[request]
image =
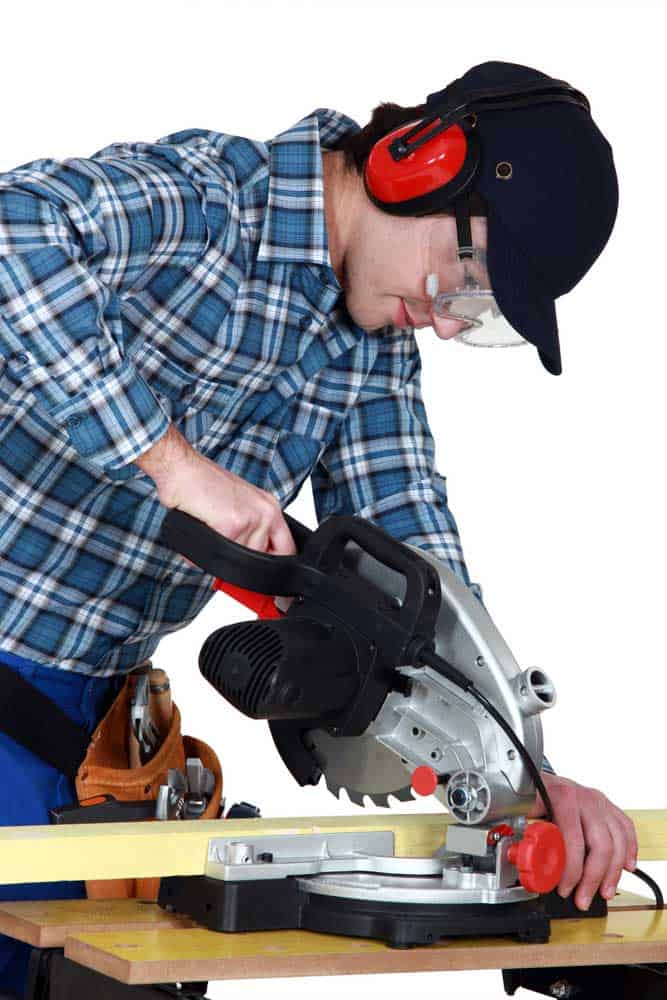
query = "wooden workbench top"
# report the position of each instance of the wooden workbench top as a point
(624, 937)
(48, 923)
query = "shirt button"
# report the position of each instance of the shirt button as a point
(21, 358)
(74, 421)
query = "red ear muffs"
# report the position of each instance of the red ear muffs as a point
(428, 178)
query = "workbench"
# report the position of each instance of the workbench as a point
(136, 942)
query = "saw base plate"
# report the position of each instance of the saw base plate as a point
(285, 904)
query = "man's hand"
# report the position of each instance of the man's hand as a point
(228, 504)
(600, 840)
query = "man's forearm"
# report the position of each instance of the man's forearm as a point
(162, 459)
(188, 480)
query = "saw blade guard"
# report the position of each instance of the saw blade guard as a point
(479, 776)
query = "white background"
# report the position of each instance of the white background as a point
(558, 484)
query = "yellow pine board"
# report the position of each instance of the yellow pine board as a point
(135, 850)
(176, 955)
(651, 825)
(149, 849)
(46, 924)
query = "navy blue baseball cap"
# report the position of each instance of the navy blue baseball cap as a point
(550, 212)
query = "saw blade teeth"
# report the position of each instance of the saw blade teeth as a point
(404, 794)
(333, 788)
(380, 800)
(355, 796)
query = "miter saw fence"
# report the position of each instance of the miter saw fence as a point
(386, 675)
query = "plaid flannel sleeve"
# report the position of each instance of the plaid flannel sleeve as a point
(60, 324)
(381, 465)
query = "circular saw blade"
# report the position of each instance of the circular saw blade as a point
(361, 766)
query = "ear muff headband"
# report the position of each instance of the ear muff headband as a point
(420, 168)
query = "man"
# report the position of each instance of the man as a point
(204, 323)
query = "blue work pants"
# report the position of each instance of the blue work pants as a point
(30, 787)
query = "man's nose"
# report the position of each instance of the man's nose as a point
(447, 328)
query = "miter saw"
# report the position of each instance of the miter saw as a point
(386, 675)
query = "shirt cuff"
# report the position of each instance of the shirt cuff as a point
(546, 766)
(116, 420)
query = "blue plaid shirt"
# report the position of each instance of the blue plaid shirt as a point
(186, 281)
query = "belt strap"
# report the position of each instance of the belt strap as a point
(39, 724)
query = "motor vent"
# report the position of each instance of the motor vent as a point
(291, 668)
(240, 661)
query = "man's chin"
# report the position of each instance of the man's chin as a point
(360, 318)
(368, 324)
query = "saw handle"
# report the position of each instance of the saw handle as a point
(321, 554)
(235, 564)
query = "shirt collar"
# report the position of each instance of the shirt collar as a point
(294, 227)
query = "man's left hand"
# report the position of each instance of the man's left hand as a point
(600, 840)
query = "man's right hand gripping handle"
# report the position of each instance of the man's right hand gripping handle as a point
(228, 504)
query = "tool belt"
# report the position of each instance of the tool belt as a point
(39, 725)
(100, 765)
(106, 769)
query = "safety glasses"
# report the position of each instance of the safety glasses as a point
(469, 298)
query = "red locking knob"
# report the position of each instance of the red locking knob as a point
(497, 833)
(424, 780)
(539, 857)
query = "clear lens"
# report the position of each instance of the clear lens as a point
(486, 325)
(467, 297)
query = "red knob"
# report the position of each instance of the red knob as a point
(539, 857)
(497, 833)
(424, 780)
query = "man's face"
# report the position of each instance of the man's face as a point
(387, 265)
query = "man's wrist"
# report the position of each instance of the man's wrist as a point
(162, 460)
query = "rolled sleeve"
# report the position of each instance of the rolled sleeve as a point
(115, 421)
(73, 238)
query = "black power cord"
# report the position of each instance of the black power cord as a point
(653, 886)
(430, 658)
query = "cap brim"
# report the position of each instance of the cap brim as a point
(521, 295)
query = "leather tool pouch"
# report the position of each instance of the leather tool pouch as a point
(106, 770)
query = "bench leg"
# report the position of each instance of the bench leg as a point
(595, 982)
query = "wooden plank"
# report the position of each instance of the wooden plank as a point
(651, 825)
(176, 955)
(136, 850)
(46, 924)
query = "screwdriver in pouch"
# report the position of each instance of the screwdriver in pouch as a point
(159, 702)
